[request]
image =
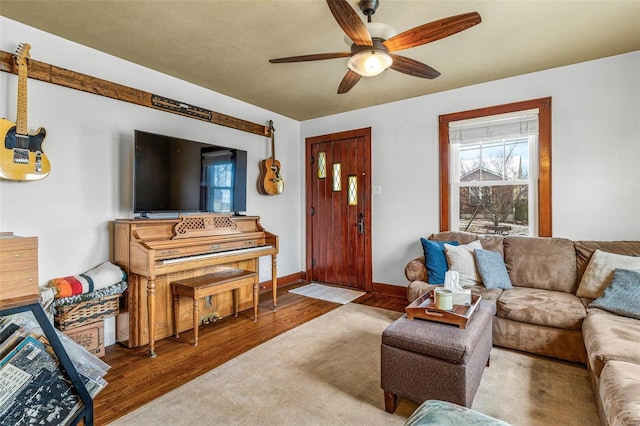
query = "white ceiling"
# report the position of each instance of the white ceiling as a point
(225, 45)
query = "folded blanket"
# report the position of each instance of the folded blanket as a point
(102, 276)
(112, 290)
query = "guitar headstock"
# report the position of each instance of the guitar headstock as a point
(22, 53)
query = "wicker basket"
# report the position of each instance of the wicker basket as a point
(86, 312)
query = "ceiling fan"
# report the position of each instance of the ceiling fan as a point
(373, 42)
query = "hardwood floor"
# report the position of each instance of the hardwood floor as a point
(135, 379)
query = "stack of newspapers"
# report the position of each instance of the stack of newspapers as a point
(34, 389)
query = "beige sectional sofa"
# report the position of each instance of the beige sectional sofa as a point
(543, 314)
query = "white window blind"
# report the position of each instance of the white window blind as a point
(503, 126)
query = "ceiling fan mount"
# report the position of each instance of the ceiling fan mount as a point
(372, 44)
(369, 7)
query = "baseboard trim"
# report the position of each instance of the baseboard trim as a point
(285, 281)
(390, 290)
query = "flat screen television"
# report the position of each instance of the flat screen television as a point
(173, 175)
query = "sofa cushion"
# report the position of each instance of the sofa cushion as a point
(585, 249)
(541, 307)
(553, 342)
(622, 297)
(618, 391)
(610, 337)
(435, 260)
(544, 263)
(463, 260)
(492, 269)
(599, 272)
(490, 294)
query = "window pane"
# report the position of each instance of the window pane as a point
(469, 163)
(500, 209)
(518, 151)
(494, 161)
(337, 177)
(322, 165)
(352, 197)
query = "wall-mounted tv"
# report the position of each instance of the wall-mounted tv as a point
(173, 175)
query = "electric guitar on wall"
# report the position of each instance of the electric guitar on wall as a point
(270, 181)
(21, 155)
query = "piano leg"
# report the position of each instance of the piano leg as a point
(196, 320)
(151, 307)
(256, 296)
(274, 280)
(236, 298)
(176, 313)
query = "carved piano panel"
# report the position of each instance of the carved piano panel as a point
(155, 252)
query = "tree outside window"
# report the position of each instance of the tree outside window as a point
(494, 187)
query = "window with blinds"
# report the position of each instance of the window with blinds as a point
(493, 167)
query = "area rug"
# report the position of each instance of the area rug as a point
(327, 372)
(329, 293)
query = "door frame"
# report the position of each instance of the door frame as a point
(364, 133)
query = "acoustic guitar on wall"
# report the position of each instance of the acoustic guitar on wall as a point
(270, 181)
(21, 155)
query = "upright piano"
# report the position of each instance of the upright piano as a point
(155, 252)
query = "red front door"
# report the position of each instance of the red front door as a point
(339, 208)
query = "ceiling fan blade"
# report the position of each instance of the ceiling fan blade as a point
(412, 67)
(350, 79)
(432, 31)
(315, 57)
(350, 22)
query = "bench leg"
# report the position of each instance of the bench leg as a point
(390, 400)
(195, 322)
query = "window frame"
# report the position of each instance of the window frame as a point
(544, 225)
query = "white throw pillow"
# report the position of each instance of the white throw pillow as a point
(463, 260)
(599, 272)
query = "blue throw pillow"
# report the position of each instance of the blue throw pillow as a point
(435, 259)
(492, 269)
(622, 296)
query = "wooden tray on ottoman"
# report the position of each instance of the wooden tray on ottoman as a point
(424, 307)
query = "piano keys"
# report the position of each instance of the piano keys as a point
(155, 252)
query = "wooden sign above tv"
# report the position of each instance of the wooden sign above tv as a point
(74, 80)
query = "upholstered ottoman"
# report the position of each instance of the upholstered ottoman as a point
(423, 360)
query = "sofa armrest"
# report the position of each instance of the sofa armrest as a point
(416, 270)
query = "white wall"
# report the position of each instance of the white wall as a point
(595, 155)
(90, 145)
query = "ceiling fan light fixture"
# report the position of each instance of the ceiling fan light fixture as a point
(369, 63)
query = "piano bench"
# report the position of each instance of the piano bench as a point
(209, 285)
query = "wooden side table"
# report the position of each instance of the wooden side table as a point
(209, 285)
